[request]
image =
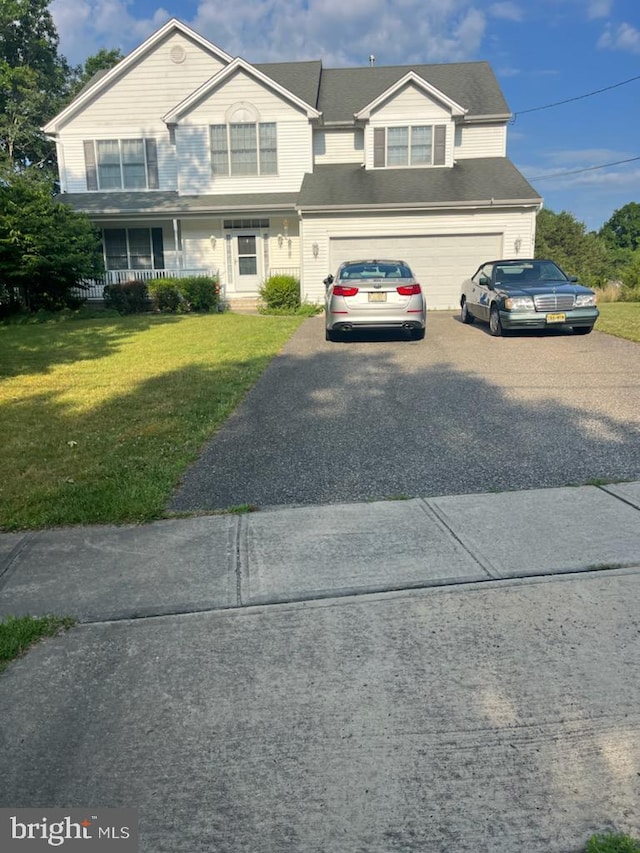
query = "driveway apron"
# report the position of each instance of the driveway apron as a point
(382, 417)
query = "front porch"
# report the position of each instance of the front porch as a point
(92, 289)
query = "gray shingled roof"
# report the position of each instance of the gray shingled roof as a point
(300, 78)
(351, 186)
(169, 203)
(473, 85)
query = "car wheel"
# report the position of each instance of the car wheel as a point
(417, 334)
(495, 326)
(582, 330)
(465, 316)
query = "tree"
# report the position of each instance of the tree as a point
(561, 237)
(46, 249)
(34, 82)
(103, 60)
(622, 230)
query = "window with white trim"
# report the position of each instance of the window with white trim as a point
(121, 164)
(133, 248)
(244, 148)
(412, 145)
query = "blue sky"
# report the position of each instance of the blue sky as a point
(542, 51)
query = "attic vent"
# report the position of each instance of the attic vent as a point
(178, 54)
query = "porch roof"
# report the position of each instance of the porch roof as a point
(169, 203)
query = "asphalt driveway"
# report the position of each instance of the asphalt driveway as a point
(458, 413)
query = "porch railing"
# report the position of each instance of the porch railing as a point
(93, 288)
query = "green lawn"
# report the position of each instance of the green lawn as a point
(98, 418)
(621, 319)
(18, 634)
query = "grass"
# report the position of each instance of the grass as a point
(17, 634)
(612, 842)
(100, 417)
(621, 319)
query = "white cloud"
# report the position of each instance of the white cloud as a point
(508, 11)
(599, 9)
(623, 37)
(340, 32)
(85, 26)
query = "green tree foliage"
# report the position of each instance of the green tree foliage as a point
(622, 230)
(34, 82)
(46, 249)
(561, 237)
(103, 60)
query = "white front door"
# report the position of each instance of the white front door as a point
(248, 266)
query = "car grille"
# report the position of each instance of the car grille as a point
(553, 302)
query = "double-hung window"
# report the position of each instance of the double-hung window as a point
(133, 248)
(245, 148)
(121, 164)
(412, 145)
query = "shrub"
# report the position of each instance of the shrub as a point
(165, 295)
(201, 292)
(609, 842)
(281, 292)
(128, 297)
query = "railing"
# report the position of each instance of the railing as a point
(93, 288)
(294, 271)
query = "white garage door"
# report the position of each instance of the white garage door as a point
(439, 263)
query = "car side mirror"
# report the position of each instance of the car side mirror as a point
(484, 281)
(328, 280)
(573, 278)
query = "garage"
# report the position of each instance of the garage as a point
(440, 263)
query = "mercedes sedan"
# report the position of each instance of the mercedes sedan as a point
(374, 295)
(527, 294)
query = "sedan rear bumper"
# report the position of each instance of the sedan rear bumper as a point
(538, 319)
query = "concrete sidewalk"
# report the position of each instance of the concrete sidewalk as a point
(303, 553)
(401, 677)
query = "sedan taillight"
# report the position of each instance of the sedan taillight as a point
(409, 289)
(343, 290)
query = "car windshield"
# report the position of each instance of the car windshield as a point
(375, 269)
(516, 274)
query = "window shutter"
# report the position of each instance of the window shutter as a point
(90, 165)
(439, 144)
(379, 160)
(152, 164)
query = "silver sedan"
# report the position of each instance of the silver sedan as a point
(374, 294)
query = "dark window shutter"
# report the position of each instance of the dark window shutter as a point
(158, 248)
(152, 164)
(90, 165)
(379, 137)
(439, 144)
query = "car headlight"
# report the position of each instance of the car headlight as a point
(519, 303)
(584, 299)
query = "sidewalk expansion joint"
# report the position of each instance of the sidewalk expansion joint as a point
(14, 555)
(440, 518)
(240, 535)
(619, 497)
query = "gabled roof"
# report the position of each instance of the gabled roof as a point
(481, 182)
(301, 78)
(344, 92)
(101, 81)
(410, 78)
(238, 64)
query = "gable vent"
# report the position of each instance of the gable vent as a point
(178, 54)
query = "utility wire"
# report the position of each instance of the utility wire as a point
(587, 169)
(577, 98)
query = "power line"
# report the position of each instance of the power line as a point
(577, 98)
(587, 169)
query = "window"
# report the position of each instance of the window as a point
(117, 164)
(133, 248)
(244, 224)
(244, 149)
(419, 145)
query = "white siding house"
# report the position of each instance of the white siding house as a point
(191, 160)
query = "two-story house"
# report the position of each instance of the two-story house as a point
(190, 160)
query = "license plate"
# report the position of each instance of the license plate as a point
(377, 297)
(556, 318)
